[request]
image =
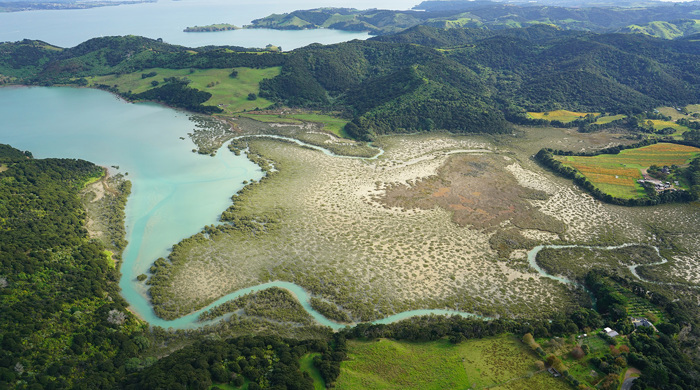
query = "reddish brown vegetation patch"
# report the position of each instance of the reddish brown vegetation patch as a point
(479, 192)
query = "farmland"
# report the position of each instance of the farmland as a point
(675, 114)
(616, 174)
(559, 115)
(228, 93)
(609, 118)
(678, 129)
(501, 362)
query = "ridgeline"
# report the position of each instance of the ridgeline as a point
(425, 78)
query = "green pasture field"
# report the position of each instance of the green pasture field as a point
(332, 124)
(230, 94)
(610, 118)
(307, 365)
(617, 174)
(675, 114)
(659, 124)
(560, 115)
(502, 362)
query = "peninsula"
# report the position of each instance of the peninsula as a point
(212, 28)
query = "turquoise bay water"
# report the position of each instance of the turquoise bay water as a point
(175, 192)
(167, 18)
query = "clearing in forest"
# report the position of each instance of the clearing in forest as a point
(228, 93)
(501, 362)
(661, 124)
(617, 174)
(609, 118)
(560, 115)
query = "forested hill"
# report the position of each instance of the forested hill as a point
(471, 80)
(425, 78)
(38, 62)
(62, 320)
(486, 15)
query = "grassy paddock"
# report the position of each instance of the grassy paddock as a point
(679, 129)
(307, 365)
(560, 115)
(692, 108)
(228, 386)
(675, 114)
(230, 94)
(501, 362)
(617, 174)
(609, 118)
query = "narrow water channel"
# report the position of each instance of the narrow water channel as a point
(174, 192)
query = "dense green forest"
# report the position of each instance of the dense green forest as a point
(467, 80)
(425, 78)
(63, 323)
(492, 15)
(664, 356)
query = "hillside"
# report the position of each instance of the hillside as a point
(416, 80)
(666, 30)
(64, 321)
(598, 17)
(462, 80)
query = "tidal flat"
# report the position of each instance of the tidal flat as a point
(437, 221)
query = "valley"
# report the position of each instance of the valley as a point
(450, 204)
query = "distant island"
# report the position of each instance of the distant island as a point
(212, 28)
(36, 5)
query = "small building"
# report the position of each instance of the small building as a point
(610, 332)
(642, 322)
